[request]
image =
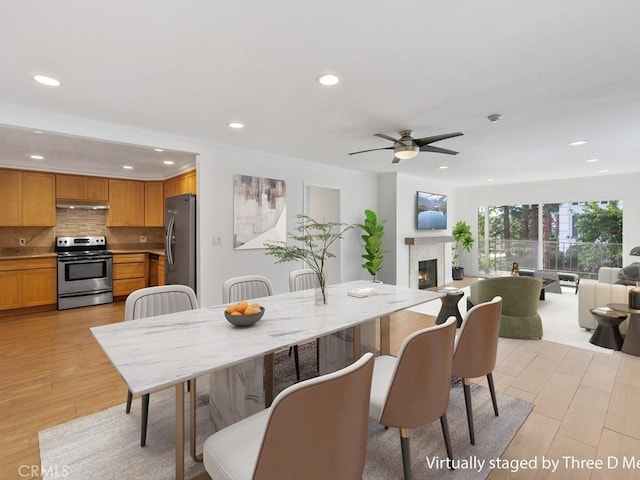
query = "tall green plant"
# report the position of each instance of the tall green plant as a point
(372, 238)
(313, 241)
(463, 241)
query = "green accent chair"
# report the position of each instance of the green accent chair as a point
(520, 296)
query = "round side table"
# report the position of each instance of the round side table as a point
(450, 306)
(607, 333)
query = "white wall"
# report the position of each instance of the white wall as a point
(397, 199)
(612, 187)
(216, 165)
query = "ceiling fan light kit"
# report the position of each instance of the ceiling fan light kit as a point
(407, 147)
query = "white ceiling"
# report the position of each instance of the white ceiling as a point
(556, 70)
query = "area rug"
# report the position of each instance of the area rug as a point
(107, 444)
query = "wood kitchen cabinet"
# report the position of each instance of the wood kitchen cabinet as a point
(185, 183)
(28, 283)
(28, 199)
(78, 187)
(156, 270)
(11, 198)
(153, 204)
(126, 203)
(130, 273)
(38, 199)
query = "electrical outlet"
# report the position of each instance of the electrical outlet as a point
(143, 239)
(23, 241)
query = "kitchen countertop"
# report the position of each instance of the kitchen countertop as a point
(12, 255)
(27, 253)
(155, 251)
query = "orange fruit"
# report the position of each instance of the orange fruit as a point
(241, 306)
(255, 305)
(236, 313)
(230, 308)
(251, 310)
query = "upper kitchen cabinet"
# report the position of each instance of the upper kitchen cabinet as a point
(28, 199)
(185, 183)
(38, 199)
(77, 187)
(153, 204)
(11, 198)
(126, 203)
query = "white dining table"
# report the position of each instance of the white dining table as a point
(167, 350)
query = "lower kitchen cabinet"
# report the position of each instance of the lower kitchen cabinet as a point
(156, 270)
(28, 283)
(129, 273)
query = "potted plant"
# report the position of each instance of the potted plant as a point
(463, 242)
(313, 241)
(372, 238)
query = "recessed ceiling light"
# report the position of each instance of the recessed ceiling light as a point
(44, 80)
(158, 149)
(37, 157)
(127, 167)
(168, 162)
(494, 117)
(443, 167)
(236, 125)
(603, 171)
(593, 160)
(489, 179)
(575, 143)
(328, 79)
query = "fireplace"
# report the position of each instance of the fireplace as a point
(437, 248)
(428, 273)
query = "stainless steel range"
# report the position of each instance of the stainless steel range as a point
(84, 272)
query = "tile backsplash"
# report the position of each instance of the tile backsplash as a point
(77, 223)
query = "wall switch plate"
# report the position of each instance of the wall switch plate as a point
(143, 239)
(217, 240)
(22, 241)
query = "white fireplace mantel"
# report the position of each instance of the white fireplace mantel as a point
(428, 240)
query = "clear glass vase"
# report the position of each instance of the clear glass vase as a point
(322, 291)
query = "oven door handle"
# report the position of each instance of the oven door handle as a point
(83, 259)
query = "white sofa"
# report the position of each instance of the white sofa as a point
(598, 293)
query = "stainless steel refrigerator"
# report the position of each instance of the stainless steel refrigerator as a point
(180, 240)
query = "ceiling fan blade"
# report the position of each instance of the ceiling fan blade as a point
(429, 148)
(386, 137)
(395, 160)
(436, 138)
(372, 150)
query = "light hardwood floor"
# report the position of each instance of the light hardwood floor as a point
(586, 404)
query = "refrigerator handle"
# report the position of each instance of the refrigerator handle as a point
(169, 239)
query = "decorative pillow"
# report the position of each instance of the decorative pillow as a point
(629, 275)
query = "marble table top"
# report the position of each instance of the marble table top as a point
(161, 351)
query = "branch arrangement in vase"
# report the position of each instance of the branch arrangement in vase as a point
(312, 242)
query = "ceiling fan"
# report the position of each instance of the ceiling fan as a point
(407, 147)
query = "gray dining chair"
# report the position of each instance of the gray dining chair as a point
(303, 279)
(475, 352)
(315, 429)
(412, 389)
(148, 302)
(249, 286)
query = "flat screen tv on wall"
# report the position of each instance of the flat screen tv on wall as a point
(431, 211)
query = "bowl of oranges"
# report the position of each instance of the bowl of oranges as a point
(243, 314)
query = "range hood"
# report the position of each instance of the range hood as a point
(82, 204)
